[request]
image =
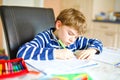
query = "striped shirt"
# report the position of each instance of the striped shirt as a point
(43, 45)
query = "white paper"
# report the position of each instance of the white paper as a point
(109, 55)
(61, 66)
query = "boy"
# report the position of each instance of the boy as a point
(69, 27)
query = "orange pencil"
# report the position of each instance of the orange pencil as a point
(0, 69)
(3, 69)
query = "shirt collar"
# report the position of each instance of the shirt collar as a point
(53, 37)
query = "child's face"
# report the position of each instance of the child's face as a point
(66, 34)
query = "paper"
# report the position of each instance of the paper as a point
(61, 66)
(109, 56)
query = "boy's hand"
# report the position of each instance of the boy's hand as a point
(63, 54)
(85, 54)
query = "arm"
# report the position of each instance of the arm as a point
(36, 49)
(87, 48)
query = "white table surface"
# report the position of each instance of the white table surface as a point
(106, 69)
(103, 71)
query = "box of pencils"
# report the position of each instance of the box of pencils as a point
(12, 68)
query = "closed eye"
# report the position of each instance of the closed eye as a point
(70, 33)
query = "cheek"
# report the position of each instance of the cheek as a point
(62, 33)
(63, 36)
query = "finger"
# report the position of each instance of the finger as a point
(90, 57)
(83, 56)
(80, 54)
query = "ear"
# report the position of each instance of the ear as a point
(58, 24)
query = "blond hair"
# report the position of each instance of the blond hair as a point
(73, 18)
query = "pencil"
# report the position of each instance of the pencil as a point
(60, 42)
(0, 69)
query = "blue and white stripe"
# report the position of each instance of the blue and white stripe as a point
(43, 45)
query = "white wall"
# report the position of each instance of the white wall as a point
(31, 3)
(19, 2)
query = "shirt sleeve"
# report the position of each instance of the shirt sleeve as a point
(36, 50)
(85, 43)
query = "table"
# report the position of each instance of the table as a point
(105, 70)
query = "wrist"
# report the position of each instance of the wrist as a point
(93, 50)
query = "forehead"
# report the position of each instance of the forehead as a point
(72, 30)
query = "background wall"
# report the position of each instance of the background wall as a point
(19, 2)
(1, 39)
(88, 7)
(55, 4)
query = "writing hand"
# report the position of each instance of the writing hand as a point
(63, 54)
(85, 54)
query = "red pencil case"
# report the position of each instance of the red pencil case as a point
(12, 68)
